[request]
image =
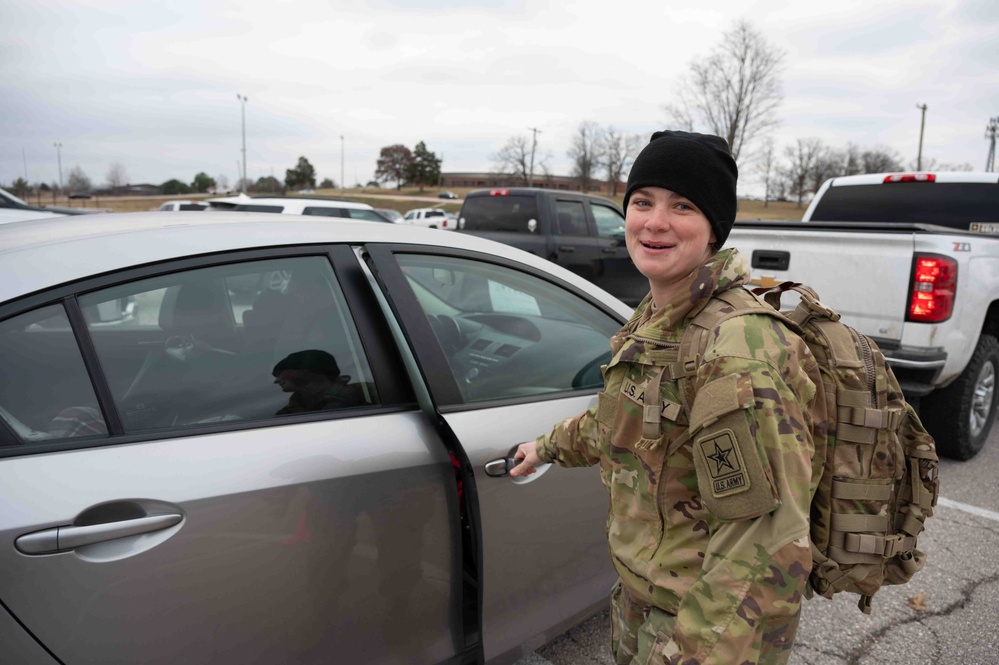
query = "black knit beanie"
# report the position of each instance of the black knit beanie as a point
(698, 166)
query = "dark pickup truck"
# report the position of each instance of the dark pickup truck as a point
(580, 232)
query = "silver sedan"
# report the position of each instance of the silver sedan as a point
(295, 449)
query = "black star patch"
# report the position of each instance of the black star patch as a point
(720, 458)
(723, 462)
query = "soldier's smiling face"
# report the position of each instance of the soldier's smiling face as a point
(667, 237)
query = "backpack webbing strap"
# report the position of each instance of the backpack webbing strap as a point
(844, 489)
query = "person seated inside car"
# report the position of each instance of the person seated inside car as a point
(313, 378)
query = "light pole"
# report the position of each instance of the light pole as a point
(341, 165)
(242, 104)
(58, 147)
(922, 125)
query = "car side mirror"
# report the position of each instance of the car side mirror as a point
(532, 225)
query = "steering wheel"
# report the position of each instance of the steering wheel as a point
(448, 331)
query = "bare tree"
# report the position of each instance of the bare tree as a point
(879, 160)
(931, 164)
(801, 163)
(735, 91)
(766, 165)
(78, 181)
(585, 153)
(221, 183)
(117, 176)
(618, 150)
(829, 163)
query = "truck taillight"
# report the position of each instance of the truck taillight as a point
(934, 280)
(499, 192)
(911, 177)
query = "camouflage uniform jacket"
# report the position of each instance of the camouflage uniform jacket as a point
(717, 534)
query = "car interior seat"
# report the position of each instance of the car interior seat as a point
(195, 371)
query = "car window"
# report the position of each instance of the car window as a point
(192, 206)
(434, 213)
(257, 207)
(508, 334)
(499, 213)
(571, 218)
(45, 391)
(245, 341)
(362, 213)
(964, 205)
(410, 215)
(610, 223)
(323, 211)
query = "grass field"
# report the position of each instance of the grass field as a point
(378, 198)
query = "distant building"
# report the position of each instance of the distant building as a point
(486, 180)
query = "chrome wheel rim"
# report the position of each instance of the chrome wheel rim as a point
(981, 405)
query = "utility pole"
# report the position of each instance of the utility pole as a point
(242, 104)
(534, 146)
(990, 133)
(341, 166)
(58, 147)
(922, 125)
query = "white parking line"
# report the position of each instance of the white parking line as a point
(973, 510)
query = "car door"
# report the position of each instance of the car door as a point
(261, 488)
(507, 353)
(618, 275)
(576, 248)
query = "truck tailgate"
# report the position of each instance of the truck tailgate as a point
(865, 276)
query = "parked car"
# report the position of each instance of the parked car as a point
(318, 207)
(431, 218)
(580, 232)
(311, 471)
(80, 195)
(176, 206)
(13, 209)
(391, 215)
(447, 195)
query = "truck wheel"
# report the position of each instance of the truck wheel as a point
(960, 416)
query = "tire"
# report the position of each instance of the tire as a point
(960, 416)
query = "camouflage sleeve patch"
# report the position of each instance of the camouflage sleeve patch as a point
(731, 477)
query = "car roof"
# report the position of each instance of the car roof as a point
(43, 253)
(302, 202)
(535, 191)
(939, 176)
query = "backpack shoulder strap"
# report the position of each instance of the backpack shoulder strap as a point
(722, 307)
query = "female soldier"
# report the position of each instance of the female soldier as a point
(708, 524)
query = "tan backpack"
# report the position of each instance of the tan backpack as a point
(875, 470)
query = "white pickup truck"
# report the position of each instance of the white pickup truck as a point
(912, 261)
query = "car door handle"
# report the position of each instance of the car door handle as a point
(501, 467)
(65, 538)
(609, 250)
(566, 248)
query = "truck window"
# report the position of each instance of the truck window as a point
(956, 205)
(571, 218)
(499, 213)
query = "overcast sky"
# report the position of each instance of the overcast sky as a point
(154, 85)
